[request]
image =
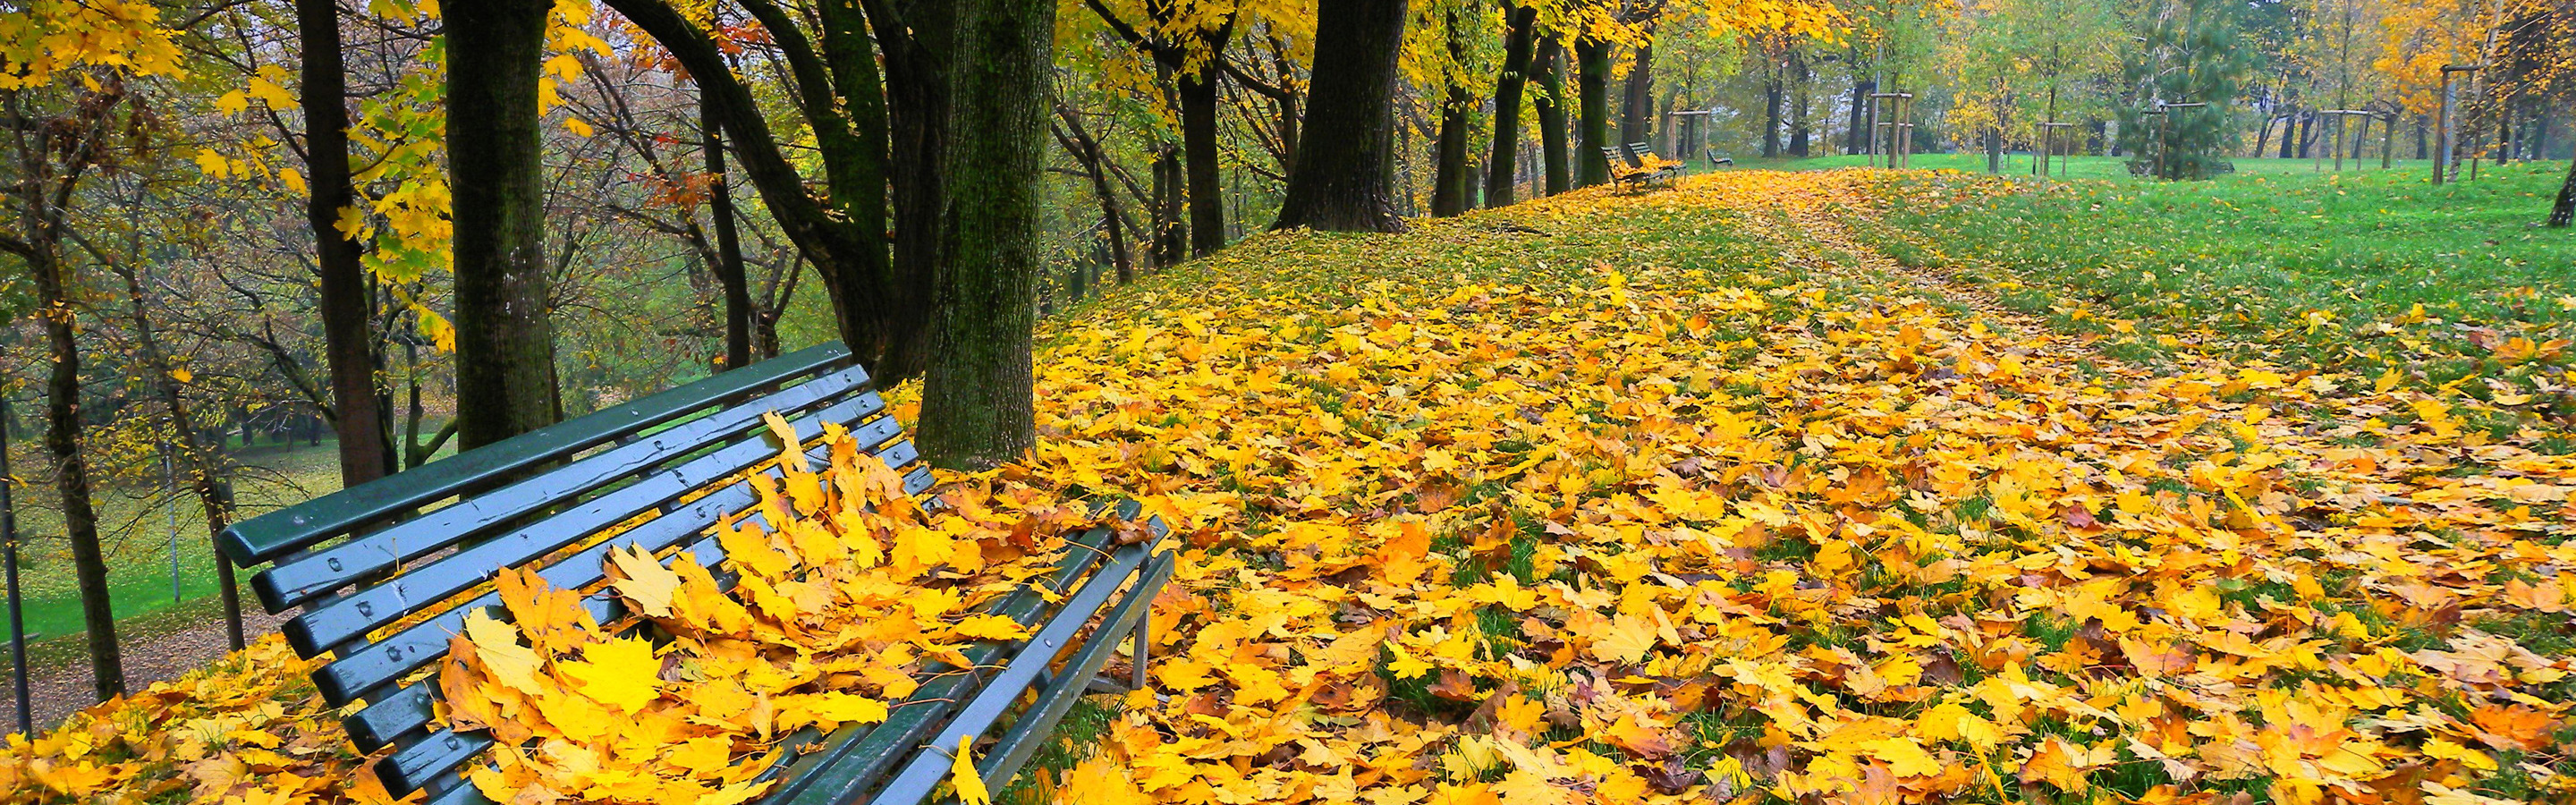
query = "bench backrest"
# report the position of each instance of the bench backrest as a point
(1642, 154)
(381, 555)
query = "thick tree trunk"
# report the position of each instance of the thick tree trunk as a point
(1592, 95)
(1341, 181)
(728, 267)
(1637, 99)
(505, 373)
(1799, 122)
(1554, 155)
(2290, 134)
(1199, 102)
(2564, 212)
(1450, 176)
(1994, 151)
(348, 308)
(976, 399)
(1502, 176)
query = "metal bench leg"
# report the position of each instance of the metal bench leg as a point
(1136, 664)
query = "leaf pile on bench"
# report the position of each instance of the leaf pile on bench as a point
(816, 621)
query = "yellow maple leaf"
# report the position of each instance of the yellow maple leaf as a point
(961, 773)
(644, 582)
(1626, 640)
(496, 644)
(620, 673)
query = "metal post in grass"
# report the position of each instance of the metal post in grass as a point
(9, 558)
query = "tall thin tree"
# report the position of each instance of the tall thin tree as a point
(348, 304)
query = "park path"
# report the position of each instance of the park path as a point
(59, 690)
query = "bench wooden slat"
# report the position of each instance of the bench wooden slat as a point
(369, 608)
(930, 763)
(269, 536)
(312, 575)
(387, 719)
(435, 758)
(860, 754)
(1036, 725)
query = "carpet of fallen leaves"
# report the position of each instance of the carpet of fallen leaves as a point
(1673, 497)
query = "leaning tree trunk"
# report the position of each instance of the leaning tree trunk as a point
(977, 397)
(1592, 93)
(505, 371)
(204, 466)
(1340, 183)
(2565, 211)
(1502, 177)
(729, 270)
(348, 340)
(71, 473)
(1549, 106)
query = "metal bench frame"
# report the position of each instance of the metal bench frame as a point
(385, 576)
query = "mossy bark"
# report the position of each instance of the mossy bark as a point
(505, 372)
(976, 409)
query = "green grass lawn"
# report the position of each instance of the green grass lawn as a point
(138, 522)
(2364, 271)
(2090, 167)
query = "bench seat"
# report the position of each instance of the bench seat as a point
(386, 575)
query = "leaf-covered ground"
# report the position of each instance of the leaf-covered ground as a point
(1687, 497)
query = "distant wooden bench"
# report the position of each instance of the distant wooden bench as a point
(1625, 174)
(385, 575)
(1643, 156)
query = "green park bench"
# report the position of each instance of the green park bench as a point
(385, 574)
(1643, 157)
(1627, 169)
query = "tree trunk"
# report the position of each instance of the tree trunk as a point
(1502, 176)
(2564, 212)
(2263, 136)
(1340, 183)
(917, 112)
(1857, 136)
(1172, 234)
(1592, 94)
(505, 374)
(2421, 143)
(729, 271)
(1553, 153)
(1449, 178)
(204, 467)
(71, 474)
(1199, 101)
(1637, 99)
(347, 305)
(1771, 92)
(977, 397)
(1799, 122)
